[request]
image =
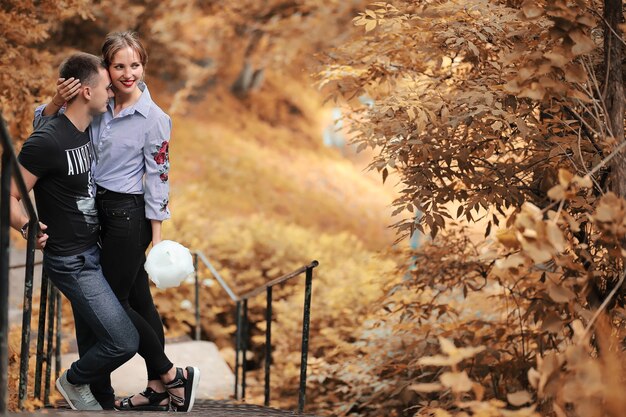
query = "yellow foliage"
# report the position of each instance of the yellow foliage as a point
(253, 250)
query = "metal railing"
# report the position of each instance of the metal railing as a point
(241, 318)
(49, 294)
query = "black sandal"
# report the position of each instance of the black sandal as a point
(154, 402)
(189, 385)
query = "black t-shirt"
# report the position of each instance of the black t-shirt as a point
(60, 156)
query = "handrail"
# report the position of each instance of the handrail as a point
(241, 318)
(278, 280)
(5, 190)
(7, 146)
(10, 168)
(217, 276)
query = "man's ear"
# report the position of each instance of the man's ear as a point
(86, 92)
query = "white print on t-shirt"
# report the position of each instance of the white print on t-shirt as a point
(87, 206)
(78, 160)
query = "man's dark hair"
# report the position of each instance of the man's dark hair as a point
(81, 66)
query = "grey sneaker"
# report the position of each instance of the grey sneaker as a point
(79, 397)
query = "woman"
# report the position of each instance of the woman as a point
(131, 144)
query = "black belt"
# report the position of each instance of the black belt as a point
(104, 194)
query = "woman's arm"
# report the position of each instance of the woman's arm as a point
(156, 231)
(66, 89)
(156, 180)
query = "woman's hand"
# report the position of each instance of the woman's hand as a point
(66, 89)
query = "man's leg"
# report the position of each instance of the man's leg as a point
(80, 279)
(85, 339)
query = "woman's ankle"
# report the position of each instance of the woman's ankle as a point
(169, 376)
(156, 385)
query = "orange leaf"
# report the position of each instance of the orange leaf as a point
(560, 294)
(583, 43)
(519, 398)
(531, 10)
(575, 73)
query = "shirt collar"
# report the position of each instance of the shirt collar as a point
(142, 105)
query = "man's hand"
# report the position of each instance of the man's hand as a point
(41, 236)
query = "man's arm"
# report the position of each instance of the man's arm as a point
(18, 218)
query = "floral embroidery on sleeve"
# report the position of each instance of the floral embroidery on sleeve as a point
(162, 158)
(164, 205)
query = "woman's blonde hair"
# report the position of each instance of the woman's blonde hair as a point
(116, 41)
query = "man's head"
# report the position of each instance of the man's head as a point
(95, 88)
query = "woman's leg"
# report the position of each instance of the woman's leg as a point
(140, 300)
(125, 235)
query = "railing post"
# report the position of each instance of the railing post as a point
(197, 289)
(5, 188)
(51, 314)
(41, 331)
(27, 311)
(237, 347)
(57, 347)
(244, 349)
(268, 345)
(305, 338)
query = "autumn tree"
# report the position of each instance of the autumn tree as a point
(25, 69)
(511, 114)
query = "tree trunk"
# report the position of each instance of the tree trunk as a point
(614, 89)
(614, 97)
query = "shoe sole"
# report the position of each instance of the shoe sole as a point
(162, 408)
(64, 394)
(194, 386)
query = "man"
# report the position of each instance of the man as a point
(56, 161)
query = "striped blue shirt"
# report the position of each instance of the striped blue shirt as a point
(132, 152)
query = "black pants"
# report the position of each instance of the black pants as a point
(125, 235)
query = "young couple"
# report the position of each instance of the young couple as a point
(99, 170)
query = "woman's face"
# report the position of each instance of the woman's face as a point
(126, 70)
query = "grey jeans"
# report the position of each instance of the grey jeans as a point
(79, 277)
